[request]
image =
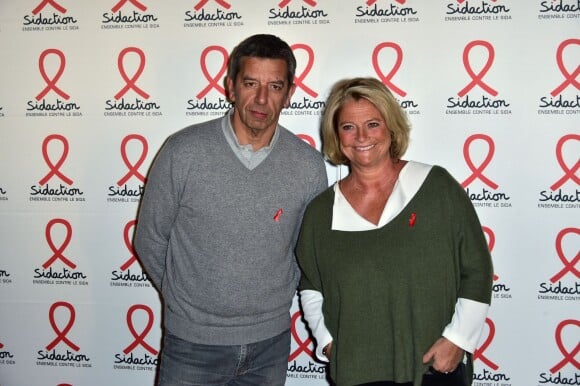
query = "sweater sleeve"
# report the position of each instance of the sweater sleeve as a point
(157, 213)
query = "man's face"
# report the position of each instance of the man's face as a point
(259, 94)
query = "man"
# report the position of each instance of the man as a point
(218, 224)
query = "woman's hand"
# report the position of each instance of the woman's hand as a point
(444, 355)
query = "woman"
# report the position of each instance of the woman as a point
(397, 274)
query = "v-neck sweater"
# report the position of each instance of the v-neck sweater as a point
(217, 239)
(389, 292)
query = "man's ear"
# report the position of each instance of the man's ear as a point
(289, 96)
(229, 86)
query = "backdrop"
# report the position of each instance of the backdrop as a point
(91, 89)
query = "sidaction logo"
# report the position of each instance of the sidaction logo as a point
(62, 351)
(500, 290)
(482, 10)
(410, 106)
(560, 287)
(487, 103)
(559, 9)
(218, 16)
(297, 12)
(60, 230)
(565, 370)
(565, 97)
(301, 363)
(6, 357)
(488, 196)
(122, 191)
(49, 15)
(304, 101)
(381, 11)
(213, 62)
(565, 190)
(140, 106)
(489, 369)
(145, 359)
(129, 14)
(124, 277)
(65, 192)
(40, 106)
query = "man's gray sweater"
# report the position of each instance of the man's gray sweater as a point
(217, 239)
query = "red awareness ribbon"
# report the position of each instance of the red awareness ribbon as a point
(61, 334)
(136, 3)
(569, 265)
(569, 78)
(202, 3)
(139, 337)
(569, 173)
(299, 78)
(133, 168)
(308, 139)
(58, 252)
(303, 345)
(130, 82)
(213, 81)
(44, 3)
(55, 168)
(129, 245)
(51, 83)
(569, 356)
(284, 3)
(477, 79)
(478, 354)
(386, 79)
(490, 243)
(478, 171)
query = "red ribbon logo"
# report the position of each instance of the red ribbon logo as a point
(55, 168)
(130, 225)
(58, 252)
(202, 4)
(130, 82)
(284, 3)
(490, 243)
(569, 173)
(51, 83)
(213, 81)
(478, 171)
(478, 354)
(569, 356)
(44, 3)
(299, 78)
(569, 78)
(61, 334)
(477, 79)
(139, 337)
(569, 265)
(386, 79)
(303, 345)
(133, 168)
(308, 139)
(136, 3)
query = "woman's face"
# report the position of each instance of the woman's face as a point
(364, 137)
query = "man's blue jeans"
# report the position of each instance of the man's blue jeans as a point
(261, 363)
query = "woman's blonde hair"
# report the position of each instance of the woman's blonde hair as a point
(379, 95)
